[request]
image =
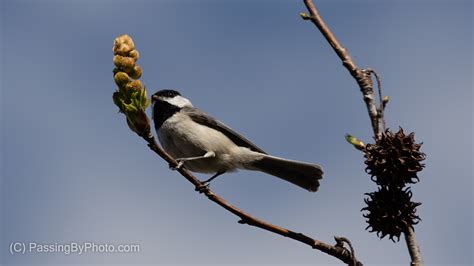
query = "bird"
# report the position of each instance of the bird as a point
(203, 144)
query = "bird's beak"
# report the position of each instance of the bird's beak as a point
(154, 98)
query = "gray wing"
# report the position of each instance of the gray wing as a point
(204, 119)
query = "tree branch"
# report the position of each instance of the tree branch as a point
(362, 76)
(132, 101)
(337, 250)
(413, 248)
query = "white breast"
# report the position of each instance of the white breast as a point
(181, 137)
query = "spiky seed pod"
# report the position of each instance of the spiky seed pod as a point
(390, 211)
(394, 160)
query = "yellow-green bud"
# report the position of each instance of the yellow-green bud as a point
(134, 85)
(385, 100)
(116, 70)
(126, 63)
(117, 100)
(305, 16)
(139, 123)
(134, 54)
(123, 45)
(355, 142)
(136, 72)
(121, 79)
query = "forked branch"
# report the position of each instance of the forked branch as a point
(363, 78)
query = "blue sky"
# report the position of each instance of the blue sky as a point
(71, 171)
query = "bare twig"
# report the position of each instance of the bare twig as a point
(336, 250)
(340, 240)
(362, 76)
(382, 103)
(413, 248)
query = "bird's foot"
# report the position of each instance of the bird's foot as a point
(178, 166)
(203, 187)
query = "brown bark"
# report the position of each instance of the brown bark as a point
(362, 76)
(413, 248)
(363, 79)
(338, 250)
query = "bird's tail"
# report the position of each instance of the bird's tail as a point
(305, 175)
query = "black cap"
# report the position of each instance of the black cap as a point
(167, 93)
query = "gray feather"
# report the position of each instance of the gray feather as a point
(204, 119)
(305, 175)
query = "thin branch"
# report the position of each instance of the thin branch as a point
(382, 103)
(413, 248)
(337, 251)
(132, 101)
(364, 80)
(340, 240)
(362, 76)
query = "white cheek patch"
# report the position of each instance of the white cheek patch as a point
(179, 101)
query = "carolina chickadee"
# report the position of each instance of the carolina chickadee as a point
(204, 145)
